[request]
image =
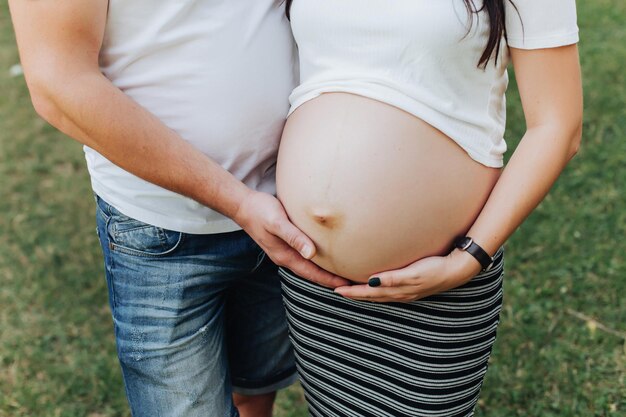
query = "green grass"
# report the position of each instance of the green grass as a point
(567, 262)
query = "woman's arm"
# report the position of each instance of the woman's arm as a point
(550, 86)
(59, 43)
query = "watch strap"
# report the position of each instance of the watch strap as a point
(468, 245)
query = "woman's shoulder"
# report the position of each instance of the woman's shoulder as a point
(535, 24)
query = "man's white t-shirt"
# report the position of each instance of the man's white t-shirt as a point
(217, 72)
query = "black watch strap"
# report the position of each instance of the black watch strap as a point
(467, 244)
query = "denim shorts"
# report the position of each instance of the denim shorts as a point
(196, 317)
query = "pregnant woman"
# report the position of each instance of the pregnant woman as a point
(391, 161)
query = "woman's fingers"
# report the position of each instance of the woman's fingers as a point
(389, 286)
(417, 280)
(408, 275)
(379, 294)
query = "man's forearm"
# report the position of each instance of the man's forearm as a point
(90, 109)
(60, 43)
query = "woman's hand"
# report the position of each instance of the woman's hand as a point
(422, 278)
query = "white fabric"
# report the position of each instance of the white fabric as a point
(219, 73)
(419, 56)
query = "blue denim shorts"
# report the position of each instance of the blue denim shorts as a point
(196, 317)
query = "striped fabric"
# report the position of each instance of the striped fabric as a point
(426, 358)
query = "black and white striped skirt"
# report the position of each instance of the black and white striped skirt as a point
(425, 358)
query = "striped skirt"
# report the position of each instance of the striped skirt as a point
(426, 358)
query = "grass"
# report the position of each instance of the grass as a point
(561, 345)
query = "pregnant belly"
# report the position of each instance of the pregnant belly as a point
(374, 187)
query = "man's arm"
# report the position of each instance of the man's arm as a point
(59, 43)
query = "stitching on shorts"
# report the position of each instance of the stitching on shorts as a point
(135, 252)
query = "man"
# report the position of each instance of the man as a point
(180, 105)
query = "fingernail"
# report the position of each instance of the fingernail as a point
(306, 252)
(374, 282)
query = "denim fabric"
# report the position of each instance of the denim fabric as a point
(196, 317)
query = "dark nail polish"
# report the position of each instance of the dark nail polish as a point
(374, 282)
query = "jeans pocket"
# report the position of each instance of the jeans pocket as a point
(133, 237)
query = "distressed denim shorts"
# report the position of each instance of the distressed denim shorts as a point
(196, 317)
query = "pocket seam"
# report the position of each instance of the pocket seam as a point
(135, 252)
(104, 214)
(119, 233)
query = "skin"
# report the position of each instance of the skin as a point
(375, 187)
(59, 43)
(255, 406)
(550, 86)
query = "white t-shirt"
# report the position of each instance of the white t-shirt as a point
(419, 56)
(219, 73)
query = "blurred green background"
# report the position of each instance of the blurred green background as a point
(561, 345)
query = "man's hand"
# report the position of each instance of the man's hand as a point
(59, 43)
(263, 217)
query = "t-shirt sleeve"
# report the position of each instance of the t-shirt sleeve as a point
(535, 24)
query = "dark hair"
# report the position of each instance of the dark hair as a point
(495, 12)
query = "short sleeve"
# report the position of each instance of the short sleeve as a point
(535, 24)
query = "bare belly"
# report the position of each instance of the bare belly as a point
(374, 187)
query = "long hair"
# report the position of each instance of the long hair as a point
(497, 28)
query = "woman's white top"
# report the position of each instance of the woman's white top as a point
(217, 72)
(419, 56)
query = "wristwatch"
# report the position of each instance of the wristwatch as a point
(467, 244)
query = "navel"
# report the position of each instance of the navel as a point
(326, 218)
